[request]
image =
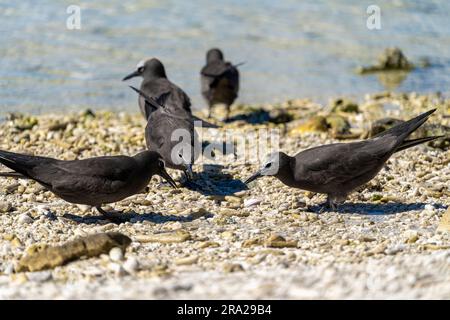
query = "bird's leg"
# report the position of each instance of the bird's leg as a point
(209, 110)
(328, 204)
(113, 217)
(227, 117)
(188, 182)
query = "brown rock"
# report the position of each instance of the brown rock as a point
(42, 256)
(277, 241)
(165, 237)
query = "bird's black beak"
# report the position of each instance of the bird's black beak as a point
(132, 75)
(188, 171)
(253, 177)
(169, 179)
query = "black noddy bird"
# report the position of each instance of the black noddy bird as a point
(219, 81)
(155, 84)
(337, 169)
(93, 181)
(171, 135)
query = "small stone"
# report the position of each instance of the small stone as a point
(208, 244)
(228, 234)
(277, 241)
(232, 267)
(116, 254)
(251, 242)
(39, 276)
(395, 249)
(232, 212)
(186, 261)
(25, 219)
(131, 265)
(411, 236)
(5, 207)
(233, 199)
(9, 269)
(11, 188)
(165, 237)
(251, 202)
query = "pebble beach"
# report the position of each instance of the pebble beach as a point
(390, 240)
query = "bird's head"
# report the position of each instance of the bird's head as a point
(150, 68)
(271, 167)
(155, 164)
(213, 55)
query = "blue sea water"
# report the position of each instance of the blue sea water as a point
(292, 49)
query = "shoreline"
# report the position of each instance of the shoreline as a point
(242, 244)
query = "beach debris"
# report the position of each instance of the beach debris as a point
(165, 237)
(344, 105)
(277, 241)
(42, 256)
(390, 59)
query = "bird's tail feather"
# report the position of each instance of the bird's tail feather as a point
(12, 175)
(406, 128)
(153, 102)
(414, 142)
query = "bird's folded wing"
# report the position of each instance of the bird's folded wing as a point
(215, 69)
(117, 168)
(338, 163)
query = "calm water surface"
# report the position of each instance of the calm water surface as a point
(292, 48)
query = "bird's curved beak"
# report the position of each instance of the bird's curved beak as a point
(132, 75)
(253, 177)
(169, 179)
(188, 171)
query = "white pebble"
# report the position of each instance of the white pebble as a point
(25, 219)
(251, 202)
(116, 254)
(40, 276)
(131, 265)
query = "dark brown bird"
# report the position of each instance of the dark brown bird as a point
(155, 83)
(170, 134)
(219, 81)
(337, 169)
(94, 181)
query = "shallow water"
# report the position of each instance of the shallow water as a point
(292, 48)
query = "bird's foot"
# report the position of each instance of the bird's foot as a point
(114, 217)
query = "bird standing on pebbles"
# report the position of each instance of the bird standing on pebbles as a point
(337, 169)
(94, 181)
(219, 81)
(171, 135)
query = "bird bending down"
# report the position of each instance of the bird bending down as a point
(219, 81)
(171, 135)
(93, 181)
(337, 169)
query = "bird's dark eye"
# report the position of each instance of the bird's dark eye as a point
(268, 165)
(141, 69)
(180, 155)
(161, 164)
